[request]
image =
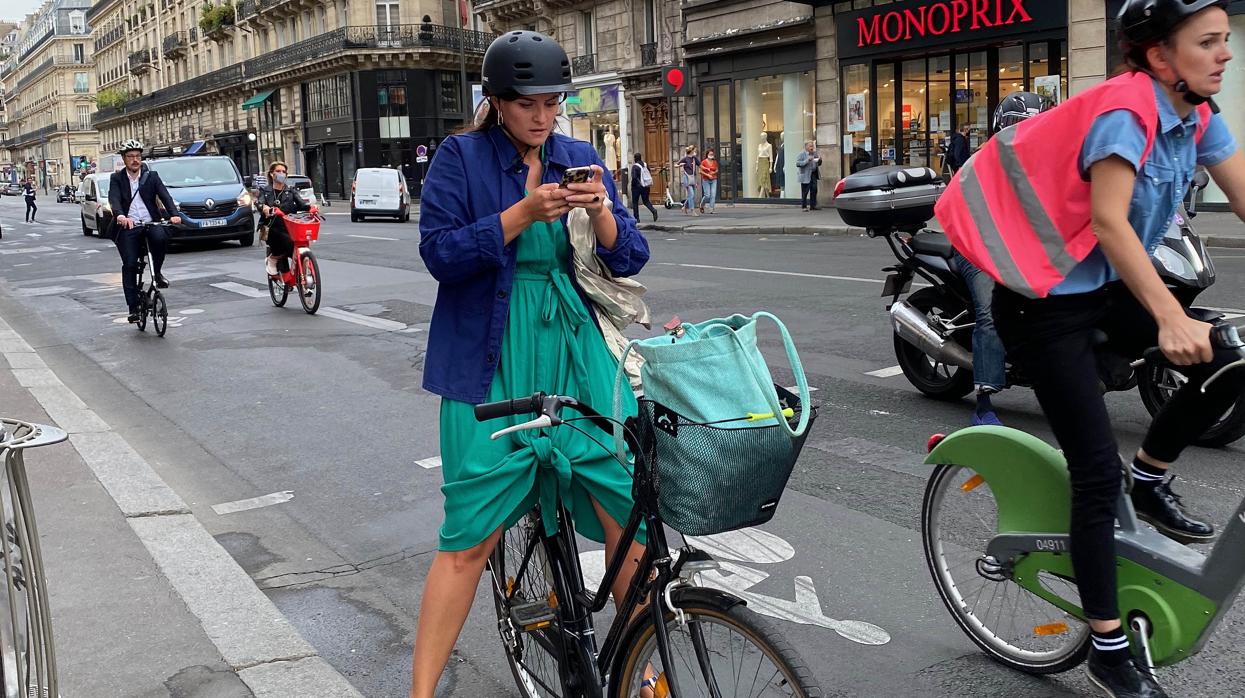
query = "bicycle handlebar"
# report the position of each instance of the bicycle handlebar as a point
(509, 408)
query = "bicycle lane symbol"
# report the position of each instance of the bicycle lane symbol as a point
(756, 547)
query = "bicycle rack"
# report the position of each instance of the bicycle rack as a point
(27, 652)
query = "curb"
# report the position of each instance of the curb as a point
(1225, 241)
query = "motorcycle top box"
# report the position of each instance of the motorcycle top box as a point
(889, 197)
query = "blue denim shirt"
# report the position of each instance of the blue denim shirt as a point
(1161, 182)
(472, 179)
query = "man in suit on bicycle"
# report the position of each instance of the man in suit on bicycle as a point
(133, 193)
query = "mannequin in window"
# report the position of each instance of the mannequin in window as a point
(764, 165)
(780, 176)
(611, 150)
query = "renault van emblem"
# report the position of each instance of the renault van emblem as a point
(210, 203)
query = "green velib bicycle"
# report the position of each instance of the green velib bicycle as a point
(995, 530)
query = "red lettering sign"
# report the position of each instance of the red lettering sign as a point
(939, 18)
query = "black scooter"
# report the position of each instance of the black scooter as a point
(933, 327)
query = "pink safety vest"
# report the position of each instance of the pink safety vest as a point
(1019, 210)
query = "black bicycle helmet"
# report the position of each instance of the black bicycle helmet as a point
(525, 63)
(1017, 107)
(1146, 21)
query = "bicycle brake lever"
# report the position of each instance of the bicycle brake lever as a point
(541, 422)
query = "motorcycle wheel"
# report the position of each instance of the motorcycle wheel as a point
(937, 380)
(1157, 383)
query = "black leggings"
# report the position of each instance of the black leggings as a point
(639, 194)
(1053, 340)
(31, 209)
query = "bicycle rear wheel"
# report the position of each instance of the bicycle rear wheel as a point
(159, 313)
(533, 655)
(723, 649)
(144, 309)
(309, 283)
(959, 517)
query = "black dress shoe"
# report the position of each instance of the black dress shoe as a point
(1161, 508)
(1128, 680)
(161, 282)
(133, 316)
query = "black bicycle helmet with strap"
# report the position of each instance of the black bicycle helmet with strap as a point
(1017, 107)
(525, 63)
(1144, 22)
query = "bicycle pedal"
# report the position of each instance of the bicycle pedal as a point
(532, 616)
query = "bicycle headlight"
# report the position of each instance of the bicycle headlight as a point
(244, 199)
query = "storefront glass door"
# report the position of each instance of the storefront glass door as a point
(888, 130)
(972, 96)
(715, 105)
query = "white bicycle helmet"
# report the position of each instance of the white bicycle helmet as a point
(130, 144)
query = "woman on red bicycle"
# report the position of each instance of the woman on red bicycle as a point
(278, 196)
(511, 319)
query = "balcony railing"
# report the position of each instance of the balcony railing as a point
(247, 8)
(194, 34)
(54, 60)
(584, 65)
(140, 61)
(648, 55)
(109, 38)
(357, 37)
(175, 43)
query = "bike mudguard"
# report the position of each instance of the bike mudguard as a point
(1028, 477)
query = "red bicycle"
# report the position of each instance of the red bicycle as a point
(304, 273)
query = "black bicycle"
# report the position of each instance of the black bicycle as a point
(671, 637)
(150, 301)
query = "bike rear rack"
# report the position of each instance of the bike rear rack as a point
(27, 651)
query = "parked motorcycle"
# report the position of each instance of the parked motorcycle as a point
(933, 326)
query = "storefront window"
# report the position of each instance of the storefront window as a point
(857, 144)
(888, 132)
(1232, 96)
(593, 112)
(912, 113)
(972, 95)
(938, 99)
(1011, 70)
(775, 117)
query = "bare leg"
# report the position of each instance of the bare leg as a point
(613, 536)
(448, 594)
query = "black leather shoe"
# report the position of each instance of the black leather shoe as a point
(161, 282)
(1161, 508)
(1128, 680)
(133, 316)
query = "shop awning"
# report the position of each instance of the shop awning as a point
(194, 148)
(257, 99)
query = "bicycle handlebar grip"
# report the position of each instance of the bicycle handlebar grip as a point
(508, 408)
(1226, 336)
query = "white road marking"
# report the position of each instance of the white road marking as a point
(44, 291)
(775, 273)
(23, 264)
(242, 289)
(192, 311)
(253, 503)
(888, 372)
(429, 463)
(751, 545)
(364, 320)
(34, 235)
(796, 389)
(27, 250)
(373, 237)
(91, 252)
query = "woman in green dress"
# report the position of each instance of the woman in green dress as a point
(510, 319)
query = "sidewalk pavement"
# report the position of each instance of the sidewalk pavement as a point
(1216, 229)
(145, 602)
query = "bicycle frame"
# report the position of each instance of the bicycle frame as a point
(1182, 593)
(575, 617)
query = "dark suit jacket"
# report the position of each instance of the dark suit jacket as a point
(150, 189)
(959, 150)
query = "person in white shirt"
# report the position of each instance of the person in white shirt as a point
(136, 194)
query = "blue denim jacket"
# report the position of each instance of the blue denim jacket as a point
(472, 179)
(1161, 182)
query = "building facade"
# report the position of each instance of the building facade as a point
(325, 85)
(49, 95)
(8, 46)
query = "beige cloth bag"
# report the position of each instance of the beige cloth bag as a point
(619, 302)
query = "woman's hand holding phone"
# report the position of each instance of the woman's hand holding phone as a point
(546, 203)
(589, 195)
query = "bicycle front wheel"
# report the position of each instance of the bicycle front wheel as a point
(309, 283)
(959, 518)
(144, 309)
(159, 314)
(277, 290)
(723, 649)
(534, 655)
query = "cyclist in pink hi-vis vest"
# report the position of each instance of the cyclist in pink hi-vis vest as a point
(1062, 211)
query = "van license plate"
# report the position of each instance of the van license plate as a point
(213, 223)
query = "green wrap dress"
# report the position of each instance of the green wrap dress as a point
(551, 344)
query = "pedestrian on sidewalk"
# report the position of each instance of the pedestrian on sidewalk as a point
(709, 181)
(28, 189)
(510, 319)
(808, 165)
(641, 185)
(689, 164)
(959, 148)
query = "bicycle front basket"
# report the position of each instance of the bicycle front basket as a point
(710, 478)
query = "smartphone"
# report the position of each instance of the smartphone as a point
(576, 175)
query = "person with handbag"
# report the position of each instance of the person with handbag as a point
(641, 186)
(512, 319)
(709, 181)
(276, 195)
